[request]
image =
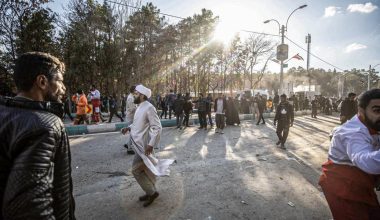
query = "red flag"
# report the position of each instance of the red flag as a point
(298, 57)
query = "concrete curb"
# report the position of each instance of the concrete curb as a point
(112, 127)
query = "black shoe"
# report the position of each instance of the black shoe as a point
(130, 152)
(143, 198)
(283, 147)
(278, 143)
(263, 123)
(200, 128)
(126, 146)
(151, 199)
(257, 123)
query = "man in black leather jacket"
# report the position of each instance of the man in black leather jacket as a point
(35, 172)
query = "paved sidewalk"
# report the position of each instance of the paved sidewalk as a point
(116, 126)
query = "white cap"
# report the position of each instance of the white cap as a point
(143, 90)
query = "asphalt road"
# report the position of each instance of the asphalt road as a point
(238, 175)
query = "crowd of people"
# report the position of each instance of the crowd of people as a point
(35, 156)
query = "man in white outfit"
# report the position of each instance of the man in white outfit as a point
(145, 135)
(129, 114)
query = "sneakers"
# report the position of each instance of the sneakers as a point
(216, 130)
(149, 199)
(221, 131)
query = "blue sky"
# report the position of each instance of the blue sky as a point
(345, 33)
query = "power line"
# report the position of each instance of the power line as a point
(314, 55)
(182, 18)
(255, 32)
(123, 4)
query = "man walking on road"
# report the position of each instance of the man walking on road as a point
(285, 117)
(81, 102)
(178, 109)
(220, 106)
(113, 108)
(129, 114)
(187, 108)
(145, 135)
(202, 109)
(261, 106)
(208, 111)
(35, 173)
(349, 176)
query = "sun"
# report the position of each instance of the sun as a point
(225, 31)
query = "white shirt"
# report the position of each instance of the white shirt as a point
(352, 144)
(95, 94)
(130, 108)
(219, 106)
(146, 128)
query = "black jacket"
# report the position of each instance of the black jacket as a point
(284, 113)
(178, 106)
(349, 108)
(35, 172)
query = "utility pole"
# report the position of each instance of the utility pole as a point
(308, 41)
(369, 78)
(282, 62)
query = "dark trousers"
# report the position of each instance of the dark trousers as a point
(79, 119)
(209, 118)
(219, 121)
(67, 112)
(114, 112)
(164, 111)
(282, 131)
(179, 118)
(170, 111)
(314, 112)
(186, 119)
(202, 119)
(261, 117)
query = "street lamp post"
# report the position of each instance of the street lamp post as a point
(282, 30)
(369, 75)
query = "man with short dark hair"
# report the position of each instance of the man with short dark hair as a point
(35, 173)
(349, 108)
(349, 176)
(285, 117)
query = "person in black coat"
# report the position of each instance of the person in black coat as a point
(113, 108)
(261, 105)
(285, 117)
(232, 114)
(35, 158)
(178, 107)
(187, 109)
(349, 108)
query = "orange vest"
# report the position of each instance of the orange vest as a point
(81, 104)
